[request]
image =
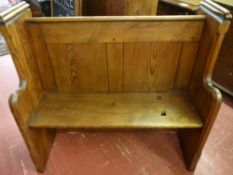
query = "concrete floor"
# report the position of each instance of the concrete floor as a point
(111, 153)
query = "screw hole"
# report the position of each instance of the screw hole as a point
(159, 97)
(163, 113)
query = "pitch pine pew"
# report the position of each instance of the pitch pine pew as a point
(144, 72)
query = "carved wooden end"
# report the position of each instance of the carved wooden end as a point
(24, 100)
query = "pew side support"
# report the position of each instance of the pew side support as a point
(205, 96)
(24, 100)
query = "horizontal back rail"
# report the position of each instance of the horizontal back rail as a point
(119, 29)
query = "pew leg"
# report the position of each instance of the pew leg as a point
(190, 145)
(39, 143)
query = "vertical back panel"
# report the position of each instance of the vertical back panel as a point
(79, 67)
(150, 66)
(117, 67)
(41, 57)
(115, 54)
(115, 61)
(136, 56)
(163, 64)
(187, 59)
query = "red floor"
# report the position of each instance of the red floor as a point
(111, 153)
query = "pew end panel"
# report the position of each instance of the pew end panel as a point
(206, 98)
(115, 73)
(26, 98)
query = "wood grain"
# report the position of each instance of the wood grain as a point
(139, 7)
(79, 67)
(206, 98)
(25, 99)
(163, 65)
(136, 56)
(118, 32)
(41, 57)
(115, 110)
(115, 62)
(150, 66)
(186, 63)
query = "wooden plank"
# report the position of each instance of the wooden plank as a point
(115, 110)
(173, 18)
(187, 59)
(115, 56)
(163, 65)
(150, 66)
(127, 31)
(139, 7)
(25, 99)
(205, 96)
(41, 57)
(79, 67)
(61, 55)
(136, 56)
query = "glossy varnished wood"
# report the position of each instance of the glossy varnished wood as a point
(144, 66)
(59, 59)
(121, 67)
(115, 110)
(205, 96)
(116, 29)
(25, 99)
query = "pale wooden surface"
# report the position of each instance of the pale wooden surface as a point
(205, 96)
(186, 62)
(120, 67)
(148, 67)
(125, 55)
(43, 64)
(115, 110)
(119, 31)
(139, 7)
(115, 61)
(24, 100)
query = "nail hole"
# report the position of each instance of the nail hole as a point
(163, 113)
(159, 97)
